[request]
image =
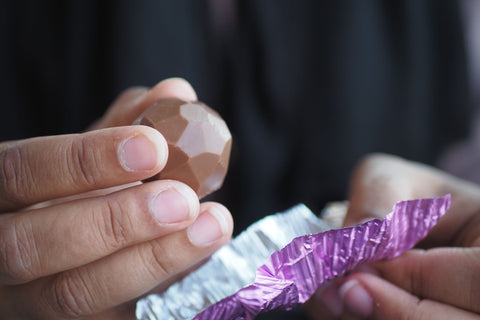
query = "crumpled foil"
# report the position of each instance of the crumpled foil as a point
(291, 275)
(231, 268)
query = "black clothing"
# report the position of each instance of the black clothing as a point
(307, 87)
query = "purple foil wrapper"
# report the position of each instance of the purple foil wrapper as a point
(291, 275)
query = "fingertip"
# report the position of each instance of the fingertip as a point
(213, 226)
(191, 196)
(356, 298)
(131, 95)
(122, 110)
(328, 298)
(159, 145)
(364, 268)
(174, 88)
(223, 215)
(128, 99)
(174, 203)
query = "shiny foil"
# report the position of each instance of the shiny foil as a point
(291, 275)
(230, 268)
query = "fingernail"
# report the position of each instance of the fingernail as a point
(210, 226)
(356, 299)
(330, 298)
(141, 153)
(174, 205)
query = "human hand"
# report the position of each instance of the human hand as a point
(440, 279)
(80, 236)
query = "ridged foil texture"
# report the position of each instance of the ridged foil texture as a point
(231, 268)
(290, 275)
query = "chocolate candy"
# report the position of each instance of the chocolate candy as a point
(199, 143)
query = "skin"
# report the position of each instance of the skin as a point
(439, 279)
(80, 235)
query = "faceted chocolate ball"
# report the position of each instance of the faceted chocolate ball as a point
(199, 143)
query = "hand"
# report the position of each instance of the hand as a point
(95, 237)
(440, 279)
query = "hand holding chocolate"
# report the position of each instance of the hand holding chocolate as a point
(199, 143)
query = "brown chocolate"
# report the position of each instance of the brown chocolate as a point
(199, 143)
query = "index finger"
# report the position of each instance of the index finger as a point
(40, 169)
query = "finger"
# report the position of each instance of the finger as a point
(132, 271)
(40, 169)
(125, 311)
(375, 187)
(369, 297)
(130, 104)
(327, 304)
(125, 103)
(381, 180)
(448, 275)
(54, 239)
(83, 195)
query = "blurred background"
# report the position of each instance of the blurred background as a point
(307, 87)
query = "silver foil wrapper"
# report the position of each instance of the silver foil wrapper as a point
(233, 266)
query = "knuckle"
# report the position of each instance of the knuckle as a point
(83, 162)
(16, 178)
(157, 262)
(114, 224)
(16, 258)
(69, 296)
